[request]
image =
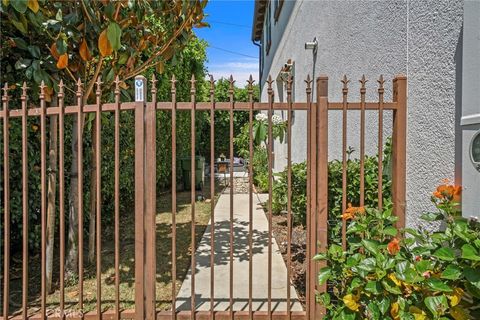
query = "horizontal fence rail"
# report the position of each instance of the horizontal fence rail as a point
(74, 118)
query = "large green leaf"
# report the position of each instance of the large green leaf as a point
(384, 305)
(21, 26)
(405, 271)
(22, 63)
(391, 231)
(445, 253)
(20, 43)
(373, 287)
(114, 33)
(346, 314)
(373, 311)
(451, 272)
(335, 251)
(371, 246)
(438, 285)
(432, 216)
(391, 287)
(19, 5)
(34, 51)
(324, 274)
(423, 266)
(470, 253)
(61, 46)
(367, 264)
(437, 304)
(473, 276)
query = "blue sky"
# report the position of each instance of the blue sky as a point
(231, 50)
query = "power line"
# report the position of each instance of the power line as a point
(230, 24)
(232, 52)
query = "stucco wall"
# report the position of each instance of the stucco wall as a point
(470, 113)
(416, 38)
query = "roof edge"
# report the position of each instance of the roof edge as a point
(258, 17)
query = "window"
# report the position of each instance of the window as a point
(277, 9)
(268, 30)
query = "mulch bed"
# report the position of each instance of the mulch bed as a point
(298, 252)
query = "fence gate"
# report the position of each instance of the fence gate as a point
(144, 302)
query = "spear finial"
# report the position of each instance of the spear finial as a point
(231, 86)
(24, 91)
(380, 83)
(79, 88)
(193, 81)
(61, 89)
(250, 82)
(173, 81)
(212, 84)
(117, 85)
(99, 82)
(5, 92)
(42, 90)
(269, 82)
(154, 84)
(309, 81)
(363, 81)
(345, 82)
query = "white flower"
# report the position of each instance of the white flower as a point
(276, 120)
(261, 117)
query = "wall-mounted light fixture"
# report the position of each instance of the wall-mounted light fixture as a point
(312, 45)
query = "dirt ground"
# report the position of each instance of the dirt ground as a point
(298, 251)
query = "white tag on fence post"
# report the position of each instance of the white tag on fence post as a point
(140, 89)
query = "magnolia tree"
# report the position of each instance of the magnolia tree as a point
(45, 41)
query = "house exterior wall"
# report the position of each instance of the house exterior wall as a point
(470, 113)
(416, 38)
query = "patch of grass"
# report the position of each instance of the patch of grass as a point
(127, 260)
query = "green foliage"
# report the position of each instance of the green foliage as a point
(335, 193)
(422, 275)
(190, 60)
(222, 118)
(260, 168)
(299, 195)
(46, 40)
(260, 140)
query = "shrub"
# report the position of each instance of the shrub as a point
(299, 188)
(421, 275)
(260, 139)
(299, 194)
(260, 169)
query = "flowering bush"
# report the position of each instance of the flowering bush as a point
(260, 128)
(335, 192)
(420, 275)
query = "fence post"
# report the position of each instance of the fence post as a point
(150, 202)
(322, 176)
(399, 149)
(311, 200)
(140, 97)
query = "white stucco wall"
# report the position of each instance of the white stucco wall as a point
(416, 38)
(470, 113)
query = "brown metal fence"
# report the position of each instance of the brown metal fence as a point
(145, 190)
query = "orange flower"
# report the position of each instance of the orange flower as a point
(457, 192)
(351, 212)
(393, 246)
(448, 192)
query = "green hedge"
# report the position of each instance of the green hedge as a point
(299, 187)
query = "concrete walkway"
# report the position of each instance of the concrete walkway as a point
(240, 262)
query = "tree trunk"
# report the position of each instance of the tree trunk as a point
(93, 198)
(71, 263)
(52, 188)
